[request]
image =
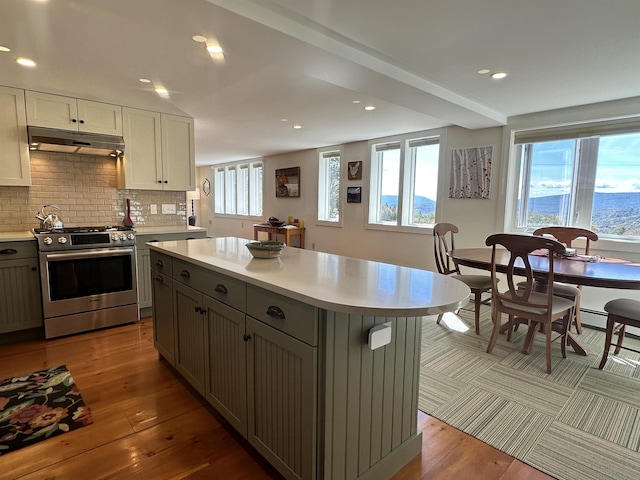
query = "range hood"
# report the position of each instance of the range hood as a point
(64, 141)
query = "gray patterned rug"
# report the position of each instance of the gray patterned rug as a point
(576, 423)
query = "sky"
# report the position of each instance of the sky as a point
(618, 166)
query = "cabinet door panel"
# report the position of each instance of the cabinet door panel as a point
(282, 406)
(143, 150)
(14, 154)
(227, 380)
(178, 154)
(163, 321)
(53, 111)
(97, 117)
(191, 336)
(20, 302)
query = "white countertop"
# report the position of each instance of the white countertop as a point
(172, 229)
(327, 281)
(16, 236)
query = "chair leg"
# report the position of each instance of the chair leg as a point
(620, 338)
(439, 318)
(549, 330)
(566, 326)
(495, 331)
(576, 315)
(607, 341)
(477, 303)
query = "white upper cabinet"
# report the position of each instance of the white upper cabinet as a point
(14, 154)
(159, 151)
(66, 113)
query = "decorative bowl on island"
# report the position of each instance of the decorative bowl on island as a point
(265, 249)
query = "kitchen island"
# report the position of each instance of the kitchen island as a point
(312, 357)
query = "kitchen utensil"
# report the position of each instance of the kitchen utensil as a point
(50, 220)
(127, 219)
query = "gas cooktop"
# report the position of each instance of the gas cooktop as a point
(115, 228)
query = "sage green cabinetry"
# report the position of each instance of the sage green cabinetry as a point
(14, 154)
(164, 325)
(20, 301)
(143, 260)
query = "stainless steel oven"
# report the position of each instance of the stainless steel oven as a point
(88, 278)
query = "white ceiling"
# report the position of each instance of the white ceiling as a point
(307, 60)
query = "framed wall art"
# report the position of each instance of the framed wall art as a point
(354, 170)
(288, 182)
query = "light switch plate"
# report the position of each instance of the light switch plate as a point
(154, 209)
(168, 208)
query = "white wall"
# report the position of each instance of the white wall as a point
(476, 218)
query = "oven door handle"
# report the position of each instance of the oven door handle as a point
(98, 252)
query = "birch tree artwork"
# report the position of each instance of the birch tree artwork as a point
(470, 172)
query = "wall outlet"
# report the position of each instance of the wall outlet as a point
(168, 208)
(154, 209)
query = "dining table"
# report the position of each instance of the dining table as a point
(586, 270)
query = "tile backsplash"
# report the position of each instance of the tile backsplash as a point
(85, 189)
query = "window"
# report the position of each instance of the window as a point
(238, 189)
(329, 186)
(404, 182)
(585, 177)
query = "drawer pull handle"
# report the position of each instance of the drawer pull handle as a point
(275, 312)
(198, 309)
(221, 289)
(185, 274)
(8, 251)
(159, 279)
(246, 337)
(159, 263)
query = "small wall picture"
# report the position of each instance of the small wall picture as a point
(288, 182)
(354, 194)
(355, 170)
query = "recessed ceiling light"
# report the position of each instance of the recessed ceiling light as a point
(145, 80)
(4, 49)
(297, 127)
(214, 48)
(369, 107)
(483, 71)
(26, 62)
(284, 119)
(498, 75)
(163, 92)
(355, 102)
(199, 38)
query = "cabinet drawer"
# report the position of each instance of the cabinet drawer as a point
(223, 288)
(161, 263)
(13, 250)
(294, 318)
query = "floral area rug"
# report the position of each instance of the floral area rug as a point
(38, 406)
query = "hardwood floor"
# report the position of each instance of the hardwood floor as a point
(149, 424)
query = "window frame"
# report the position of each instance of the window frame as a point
(228, 195)
(584, 175)
(321, 185)
(406, 183)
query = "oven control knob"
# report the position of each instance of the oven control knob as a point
(62, 240)
(47, 241)
(123, 236)
(114, 237)
(130, 236)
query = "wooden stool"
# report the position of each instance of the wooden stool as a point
(623, 312)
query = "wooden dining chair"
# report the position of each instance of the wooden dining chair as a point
(622, 312)
(566, 236)
(443, 243)
(520, 300)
